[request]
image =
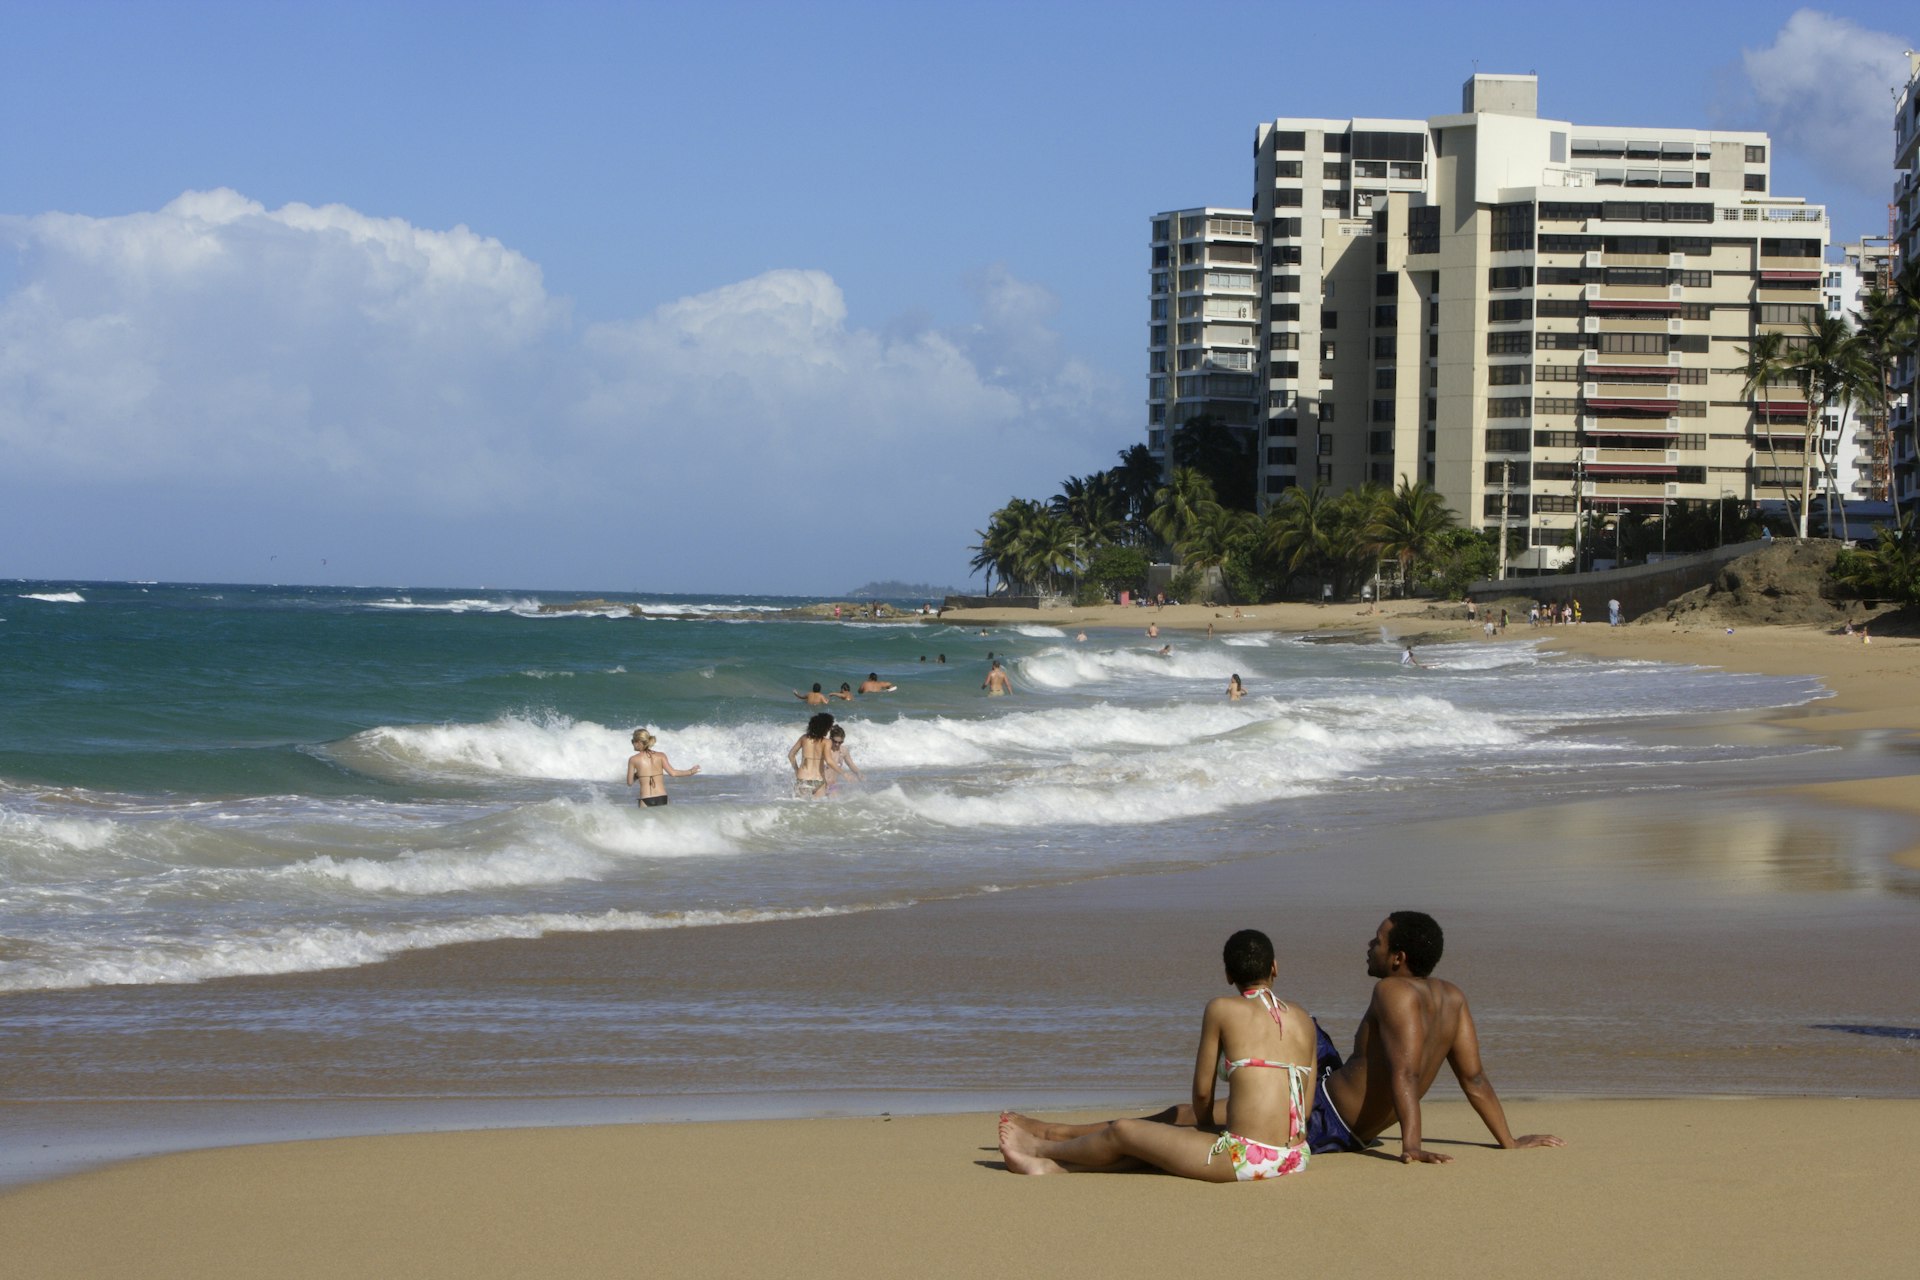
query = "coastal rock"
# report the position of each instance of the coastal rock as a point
(1788, 584)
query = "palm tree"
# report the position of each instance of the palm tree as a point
(1048, 549)
(1093, 506)
(1766, 365)
(1219, 533)
(1353, 546)
(1831, 366)
(1888, 329)
(1180, 506)
(1409, 523)
(1136, 479)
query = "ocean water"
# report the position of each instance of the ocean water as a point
(201, 782)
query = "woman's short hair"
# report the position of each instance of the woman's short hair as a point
(1249, 958)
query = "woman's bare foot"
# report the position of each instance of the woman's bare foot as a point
(1038, 1128)
(1016, 1148)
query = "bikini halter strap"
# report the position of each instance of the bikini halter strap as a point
(1266, 997)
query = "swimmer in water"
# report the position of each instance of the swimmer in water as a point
(810, 757)
(838, 756)
(814, 698)
(1235, 690)
(874, 684)
(997, 682)
(651, 769)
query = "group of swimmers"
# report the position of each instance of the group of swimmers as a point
(819, 757)
(1290, 1095)
(872, 684)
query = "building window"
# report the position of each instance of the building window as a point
(1289, 140)
(1423, 229)
(1509, 310)
(1646, 344)
(1385, 346)
(1286, 284)
(1509, 277)
(1282, 457)
(1512, 226)
(1756, 155)
(1386, 316)
(1284, 312)
(1287, 227)
(1326, 411)
(1284, 369)
(1547, 406)
(1381, 411)
(1511, 344)
(1385, 379)
(1510, 407)
(1333, 200)
(1286, 168)
(1324, 445)
(1329, 319)
(1509, 375)
(1287, 198)
(1333, 171)
(1756, 182)
(1785, 312)
(1326, 350)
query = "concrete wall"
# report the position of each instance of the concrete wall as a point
(1638, 588)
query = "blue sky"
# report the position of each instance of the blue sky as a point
(704, 297)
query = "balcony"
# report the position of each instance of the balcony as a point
(1629, 461)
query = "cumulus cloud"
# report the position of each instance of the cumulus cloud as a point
(1823, 90)
(384, 366)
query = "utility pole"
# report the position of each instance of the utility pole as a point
(1506, 474)
(1577, 481)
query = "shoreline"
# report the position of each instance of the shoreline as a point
(819, 1189)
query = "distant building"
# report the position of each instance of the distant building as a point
(1855, 442)
(1531, 315)
(1202, 325)
(1906, 239)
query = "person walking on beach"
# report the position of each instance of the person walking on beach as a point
(874, 684)
(651, 769)
(814, 698)
(1613, 613)
(997, 684)
(1261, 1045)
(1413, 1024)
(810, 757)
(1235, 690)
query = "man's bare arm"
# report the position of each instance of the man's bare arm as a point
(1396, 1012)
(1464, 1058)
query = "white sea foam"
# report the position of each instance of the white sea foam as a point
(1037, 630)
(55, 597)
(308, 949)
(1064, 668)
(456, 606)
(1247, 641)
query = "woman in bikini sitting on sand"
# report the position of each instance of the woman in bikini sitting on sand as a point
(810, 756)
(1264, 1046)
(651, 769)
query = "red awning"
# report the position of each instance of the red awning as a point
(1646, 406)
(1633, 304)
(1790, 275)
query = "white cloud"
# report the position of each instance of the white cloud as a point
(381, 366)
(1822, 89)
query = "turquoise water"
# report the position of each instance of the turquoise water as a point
(200, 782)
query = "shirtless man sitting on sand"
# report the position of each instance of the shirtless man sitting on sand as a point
(1414, 1023)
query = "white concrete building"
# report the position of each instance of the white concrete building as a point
(1203, 320)
(1855, 442)
(1527, 313)
(1906, 239)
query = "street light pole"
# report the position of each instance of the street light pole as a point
(1506, 485)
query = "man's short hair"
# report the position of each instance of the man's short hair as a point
(1416, 935)
(1248, 956)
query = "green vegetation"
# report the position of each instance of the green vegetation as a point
(1888, 570)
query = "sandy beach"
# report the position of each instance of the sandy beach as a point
(1693, 1185)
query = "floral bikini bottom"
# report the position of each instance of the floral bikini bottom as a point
(1254, 1161)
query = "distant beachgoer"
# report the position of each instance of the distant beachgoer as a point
(1472, 610)
(837, 753)
(1849, 628)
(874, 684)
(923, 657)
(1503, 619)
(1866, 633)
(1407, 659)
(836, 612)
(651, 769)
(1237, 613)
(1263, 1046)
(1209, 631)
(844, 692)
(1235, 690)
(983, 631)
(1490, 627)
(1153, 631)
(810, 757)
(1577, 618)
(813, 699)
(1533, 614)
(941, 658)
(1166, 651)
(997, 682)
(1081, 638)
(1613, 613)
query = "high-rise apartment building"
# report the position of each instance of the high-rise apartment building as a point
(1855, 438)
(1203, 322)
(1539, 318)
(1906, 239)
